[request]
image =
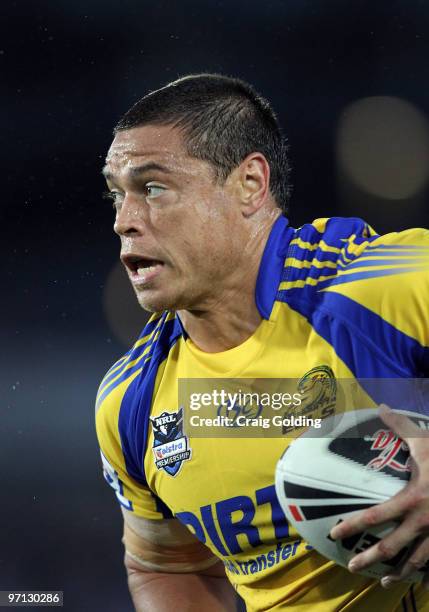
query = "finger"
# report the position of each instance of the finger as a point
(375, 515)
(386, 549)
(416, 439)
(416, 560)
(399, 423)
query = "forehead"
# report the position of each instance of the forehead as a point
(132, 147)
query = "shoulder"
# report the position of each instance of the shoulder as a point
(346, 256)
(339, 251)
(317, 250)
(334, 231)
(349, 281)
(126, 392)
(383, 290)
(416, 237)
(388, 281)
(152, 345)
(395, 265)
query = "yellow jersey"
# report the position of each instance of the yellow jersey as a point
(334, 297)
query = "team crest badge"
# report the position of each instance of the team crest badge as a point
(171, 446)
(318, 388)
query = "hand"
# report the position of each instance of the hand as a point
(410, 506)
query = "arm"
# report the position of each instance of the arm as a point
(169, 568)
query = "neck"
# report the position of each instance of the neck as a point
(231, 316)
(220, 329)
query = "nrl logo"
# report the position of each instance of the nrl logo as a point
(170, 446)
(392, 451)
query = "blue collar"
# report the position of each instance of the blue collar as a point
(271, 267)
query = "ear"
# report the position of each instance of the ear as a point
(253, 179)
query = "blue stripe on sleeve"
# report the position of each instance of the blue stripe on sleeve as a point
(356, 276)
(133, 353)
(369, 346)
(363, 263)
(136, 404)
(397, 247)
(304, 254)
(122, 372)
(118, 377)
(294, 274)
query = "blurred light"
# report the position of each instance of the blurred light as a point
(383, 147)
(125, 317)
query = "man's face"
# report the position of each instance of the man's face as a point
(180, 230)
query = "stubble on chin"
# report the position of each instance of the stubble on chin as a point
(158, 301)
(152, 303)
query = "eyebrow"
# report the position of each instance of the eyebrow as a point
(138, 170)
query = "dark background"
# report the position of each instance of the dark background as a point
(349, 81)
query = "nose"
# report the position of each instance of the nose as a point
(129, 218)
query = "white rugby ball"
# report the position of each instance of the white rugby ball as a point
(350, 463)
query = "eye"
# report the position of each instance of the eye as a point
(153, 191)
(113, 196)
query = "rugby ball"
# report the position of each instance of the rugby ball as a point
(350, 463)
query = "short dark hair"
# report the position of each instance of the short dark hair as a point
(223, 120)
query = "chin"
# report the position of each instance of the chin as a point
(156, 303)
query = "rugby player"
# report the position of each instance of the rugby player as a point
(198, 175)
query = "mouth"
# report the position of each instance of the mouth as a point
(140, 269)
